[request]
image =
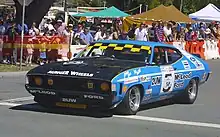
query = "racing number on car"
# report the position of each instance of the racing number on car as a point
(167, 82)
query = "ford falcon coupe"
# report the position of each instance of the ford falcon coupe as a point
(120, 75)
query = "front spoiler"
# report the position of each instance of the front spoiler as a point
(90, 99)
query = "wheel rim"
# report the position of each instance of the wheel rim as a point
(192, 91)
(134, 98)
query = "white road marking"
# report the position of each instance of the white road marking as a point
(135, 117)
(171, 121)
(19, 99)
(9, 104)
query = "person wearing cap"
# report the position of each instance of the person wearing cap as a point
(69, 33)
(60, 27)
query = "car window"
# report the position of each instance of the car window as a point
(159, 56)
(123, 52)
(172, 55)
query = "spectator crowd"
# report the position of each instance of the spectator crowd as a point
(85, 34)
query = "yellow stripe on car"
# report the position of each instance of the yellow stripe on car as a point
(135, 50)
(128, 46)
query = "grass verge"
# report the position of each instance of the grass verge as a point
(14, 68)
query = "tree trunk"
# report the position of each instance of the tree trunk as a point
(34, 12)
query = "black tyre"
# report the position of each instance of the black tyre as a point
(131, 103)
(190, 93)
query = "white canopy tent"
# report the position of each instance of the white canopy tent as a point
(208, 13)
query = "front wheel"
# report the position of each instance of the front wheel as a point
(131, 103)
(190, 93)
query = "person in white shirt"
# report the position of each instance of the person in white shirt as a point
(141, 33)
(100, 35)
(168, 32)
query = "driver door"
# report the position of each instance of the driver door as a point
(167, 75)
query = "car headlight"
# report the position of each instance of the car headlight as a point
(105, 87)
(38, 81)
(26, 80)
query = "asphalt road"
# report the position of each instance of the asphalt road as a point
(21, 117)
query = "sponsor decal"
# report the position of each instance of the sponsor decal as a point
(73, 62)
(179, 84)
(93, 97)
(59, 72)
(127, 74)
(130, 80)
(181, 76)
(42, 92)
(146, 97)
(90, 85)
(166, 69)
(186, 64)
(137, 71)
(124, 89)
(148, 91)
(168, 82)
(145, 78)
(197, 63)
(156, 81)
(69, 100)
(113, 87)
(75, 73)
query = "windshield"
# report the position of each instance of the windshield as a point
(122, 52)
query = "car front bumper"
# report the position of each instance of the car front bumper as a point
(71, 99)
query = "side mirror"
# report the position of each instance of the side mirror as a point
(75, 55)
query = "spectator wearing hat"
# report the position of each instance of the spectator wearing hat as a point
(69, 33)
(60, 27)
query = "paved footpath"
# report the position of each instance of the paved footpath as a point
(21, 117)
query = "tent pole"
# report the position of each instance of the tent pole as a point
(140, 8)
(181, 5)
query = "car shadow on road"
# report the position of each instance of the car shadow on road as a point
(95, 113)
(35, 107)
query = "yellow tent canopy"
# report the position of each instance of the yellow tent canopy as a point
(160, 13)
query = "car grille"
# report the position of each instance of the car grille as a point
(69, 84)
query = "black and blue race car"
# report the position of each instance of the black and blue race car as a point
(119, 74)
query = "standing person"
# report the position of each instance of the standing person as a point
(131, 32)
(2, 33)
(141, 33)
(60, 27)
(86, 37)
(160, 32)
(12, 32)
(168, 32)
(152, 32)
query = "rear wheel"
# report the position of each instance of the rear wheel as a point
(131, 103)
(190, 93)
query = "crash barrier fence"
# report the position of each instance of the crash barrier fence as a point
(208, 49)
(59, 49)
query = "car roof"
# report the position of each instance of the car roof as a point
(135, 42)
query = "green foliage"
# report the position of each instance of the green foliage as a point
(189, 6)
